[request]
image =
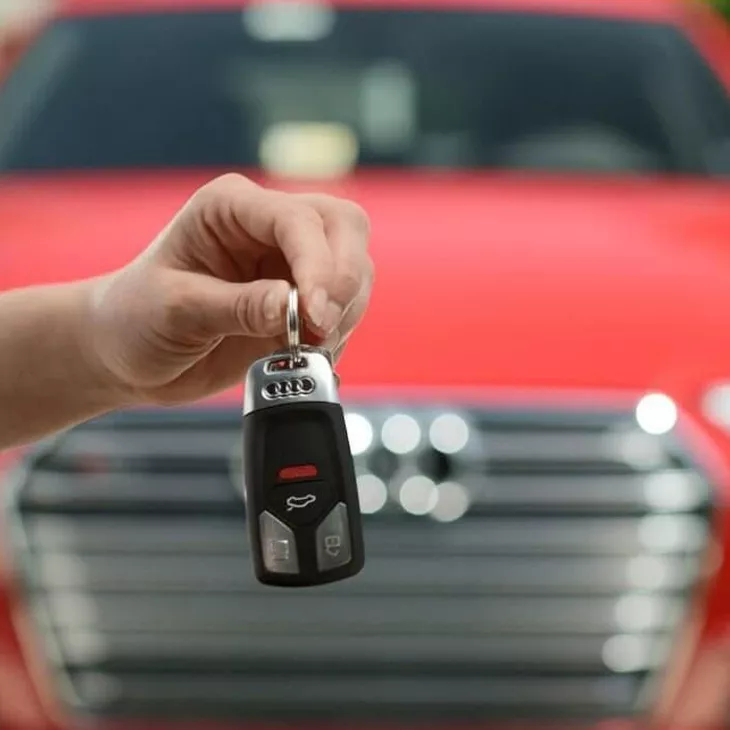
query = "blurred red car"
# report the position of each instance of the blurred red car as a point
(538, 402)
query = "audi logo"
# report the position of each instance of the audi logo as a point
(288, 388)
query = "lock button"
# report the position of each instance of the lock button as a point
(333, 540)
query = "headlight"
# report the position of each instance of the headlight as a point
(716, 405)
(656, 414)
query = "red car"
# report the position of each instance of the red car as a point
(538, 401)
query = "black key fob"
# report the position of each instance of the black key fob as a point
(302, 504)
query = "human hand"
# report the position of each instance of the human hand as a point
(187, 317)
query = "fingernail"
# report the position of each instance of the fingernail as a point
(317, 307)
(332, 317)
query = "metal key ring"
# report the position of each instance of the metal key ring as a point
(292, 322)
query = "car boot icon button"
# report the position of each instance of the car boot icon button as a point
(301, 503)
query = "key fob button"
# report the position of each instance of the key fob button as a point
(278, 546)
(333, 540)
(301, 503)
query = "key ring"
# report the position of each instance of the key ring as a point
(292, 323)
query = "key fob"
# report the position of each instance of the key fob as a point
(302, 504)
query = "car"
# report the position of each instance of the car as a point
(538, 402)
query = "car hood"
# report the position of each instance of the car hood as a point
(480, 280)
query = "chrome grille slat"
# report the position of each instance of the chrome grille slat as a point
(99, 535)
(557, 594)
(518, 493)
(127, 648)
(54, 491)
(252, 693)
(560, 445)
(342, 615)
(149, 443)
(472, 574)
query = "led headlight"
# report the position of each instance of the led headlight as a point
(656, 413)
(716, 405)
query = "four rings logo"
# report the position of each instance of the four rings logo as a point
(289, 387)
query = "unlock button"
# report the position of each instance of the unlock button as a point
(333, 540)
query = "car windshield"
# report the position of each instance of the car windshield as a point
(313, 88)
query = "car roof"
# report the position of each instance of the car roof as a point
(658, 10)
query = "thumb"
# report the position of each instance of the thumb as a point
(214, 308)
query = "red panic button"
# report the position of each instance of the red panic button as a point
(304, 471)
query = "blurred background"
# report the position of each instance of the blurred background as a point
(538, 402)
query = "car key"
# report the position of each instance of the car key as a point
(302, 504)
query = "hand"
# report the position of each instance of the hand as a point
(208, 297)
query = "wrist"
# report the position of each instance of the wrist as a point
(107, 390)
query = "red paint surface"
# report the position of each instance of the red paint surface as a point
(701, 24)
(545, 282)
(653, 9)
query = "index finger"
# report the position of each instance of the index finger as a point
(279, 220)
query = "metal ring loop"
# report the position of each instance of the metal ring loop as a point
(292, 322)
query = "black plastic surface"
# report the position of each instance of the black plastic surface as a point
(307, 434)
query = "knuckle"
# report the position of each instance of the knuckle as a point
(220, 188)
(308, 216)
(350, 280)
(246, 314)
(358, 217)
(344, 210)
(227, 181)
(290, 220)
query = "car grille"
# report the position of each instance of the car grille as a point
(520, 563)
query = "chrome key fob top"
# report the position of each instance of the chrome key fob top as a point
(301, 496)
